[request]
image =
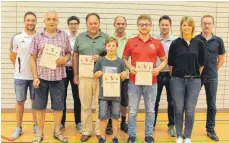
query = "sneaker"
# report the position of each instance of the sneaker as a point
(79, 127)
(101, 140)
(149, 140)
(131, 140)
(62, 126)
(187, 140)
(109, 130)
(179, 140)
(124, 127)
(171, 131)
(35, 128)
(211, 134)
(17, 133)
(115, 140)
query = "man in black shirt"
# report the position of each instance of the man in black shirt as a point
(214, 59)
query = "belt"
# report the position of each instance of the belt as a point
(191, 76)
(68, 68)
(164, 73)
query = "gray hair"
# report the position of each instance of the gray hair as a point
(51, 12)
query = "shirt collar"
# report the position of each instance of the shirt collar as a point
(213, 36)
(150, 38)
(100, 34)
(124, 37)
(170, 38)
(69, 35)
(25, 34)
(43, 31)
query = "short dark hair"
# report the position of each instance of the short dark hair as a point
(91, 14)
(210, 16)
(73, 18)
(165, 17)
(29, 13)
(119, 17)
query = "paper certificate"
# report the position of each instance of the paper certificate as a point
(86, 66)
(49, 56)
(111, 85)
(144, 73)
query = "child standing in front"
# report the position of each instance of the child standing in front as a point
(109, 107)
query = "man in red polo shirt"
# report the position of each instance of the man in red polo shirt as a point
(143, 48)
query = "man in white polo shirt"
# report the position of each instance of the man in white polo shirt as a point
(19, 56)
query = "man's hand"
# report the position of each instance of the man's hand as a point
(155, 72)
(123, 75)
(61, 61)
(98, 74)
(76, 79)
(36, 83)
(133, 70)
(95, 57)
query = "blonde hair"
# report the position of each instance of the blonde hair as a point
(111, 39)
(51, 12)
(190, 22)
(144, 16)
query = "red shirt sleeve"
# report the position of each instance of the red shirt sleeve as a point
(160, 50)
(127, 49)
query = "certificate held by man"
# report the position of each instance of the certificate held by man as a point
(86, 66)
(144, 74)
(49, 56)
(111, 85)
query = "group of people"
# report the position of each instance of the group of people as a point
(182, 64)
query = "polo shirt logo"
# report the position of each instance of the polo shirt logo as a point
(152, 46)
(135, 45)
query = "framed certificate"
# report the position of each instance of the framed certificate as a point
(49, 56)
(86, 66)
(111, 84)
(144, 74)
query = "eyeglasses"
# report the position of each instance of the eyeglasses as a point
(142, 24)
(205, 24)
(71, 24)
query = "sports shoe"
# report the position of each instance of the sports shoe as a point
(171, 131)
(131, 140)
(187, 140)
(35, 128)
(179, 140)
(149, 140)
(79, 127)
(17, 133)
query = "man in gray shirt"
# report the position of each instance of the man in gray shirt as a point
(163, 78)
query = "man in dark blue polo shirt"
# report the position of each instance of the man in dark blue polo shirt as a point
(214, 59)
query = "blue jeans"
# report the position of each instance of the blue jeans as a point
(210, 85)
(21, 87)
(185, 92)
(135, 93)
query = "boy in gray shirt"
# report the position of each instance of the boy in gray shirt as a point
(109, 107)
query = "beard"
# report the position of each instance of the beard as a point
(120, 30)
(30, 29)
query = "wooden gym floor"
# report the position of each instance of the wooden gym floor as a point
(160, 135)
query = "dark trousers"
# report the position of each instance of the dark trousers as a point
(210, 85)
(75, 94)
(163, 79)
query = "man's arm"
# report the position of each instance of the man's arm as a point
(75, 66)
(163, 64)
(13, 56)
(221, 59)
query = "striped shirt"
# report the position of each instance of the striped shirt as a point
(60, 40)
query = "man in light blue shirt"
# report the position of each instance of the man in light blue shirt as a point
(163, 78)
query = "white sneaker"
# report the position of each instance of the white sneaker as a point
(35, 128)
(179, 140)
(17, 133)
(187, 140)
